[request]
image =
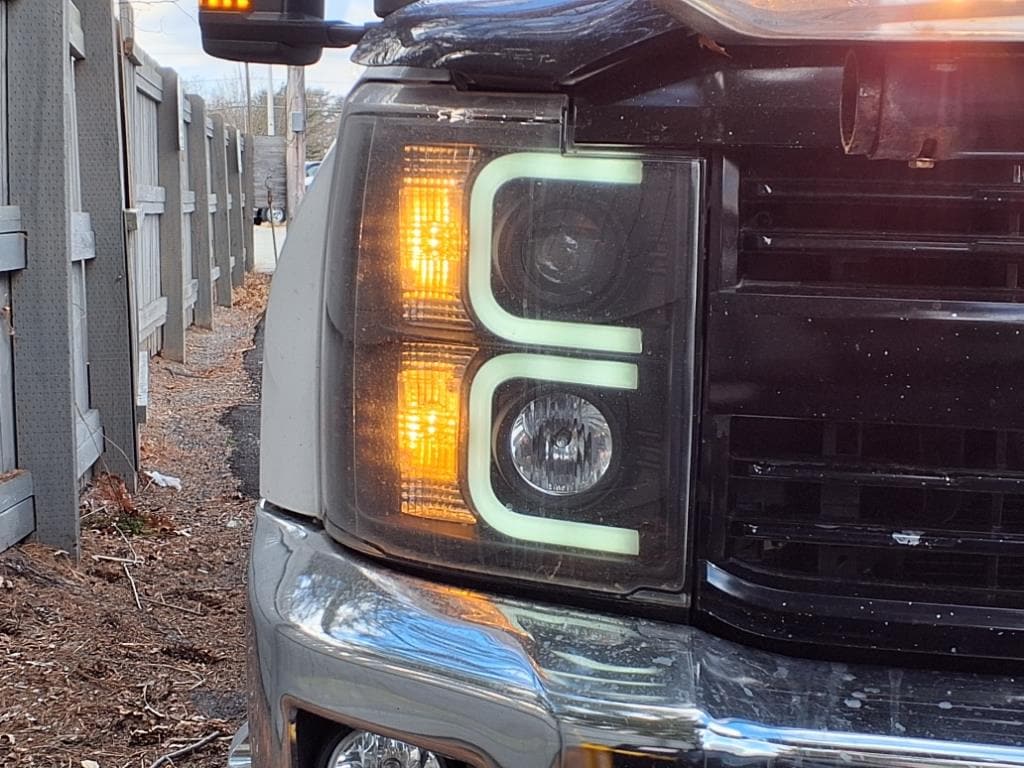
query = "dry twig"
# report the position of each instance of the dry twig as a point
(186, 750)
(110, 559)
(130, 547)
(131, 581)
(173, 607)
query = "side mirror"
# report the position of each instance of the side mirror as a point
(271, 31)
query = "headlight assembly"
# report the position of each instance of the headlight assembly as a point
(509, 347)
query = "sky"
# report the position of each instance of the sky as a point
(168, 30)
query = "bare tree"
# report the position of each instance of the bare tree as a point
(323, 109)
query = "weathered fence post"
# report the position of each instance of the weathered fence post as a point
(129, 95)
(171, 153)
(249, 199)
(199, 175)
(39, 155)
(234, 157)
(101, 156)
(221, 219)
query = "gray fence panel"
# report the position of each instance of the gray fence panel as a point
(88, 423)
(173, 172)
(202, 221)
(150, 197)
(221, 217)
(237, 208)
(37, 49)
(249, 198)
(101, 157)
(188, 209)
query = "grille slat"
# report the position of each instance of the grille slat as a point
(878, 475)
(876, 537)
(831, 246)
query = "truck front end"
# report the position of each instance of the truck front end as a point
(641, 386)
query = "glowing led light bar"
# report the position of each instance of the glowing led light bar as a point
(428, 409)
(554, 167)
(432, 233)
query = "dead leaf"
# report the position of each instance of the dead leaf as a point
(706, 42)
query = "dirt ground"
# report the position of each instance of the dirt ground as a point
(138, 650)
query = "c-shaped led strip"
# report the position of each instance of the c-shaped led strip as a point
(566, 370)
(530, 331)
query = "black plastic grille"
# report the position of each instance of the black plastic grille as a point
(863, 451)
(949, 232)
(877, 509)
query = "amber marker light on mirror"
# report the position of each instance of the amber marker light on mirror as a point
(429, 416)
(432, 239)
(225, 5)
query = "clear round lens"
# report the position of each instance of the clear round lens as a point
(561, 444)
(571, 253)
(370, 750)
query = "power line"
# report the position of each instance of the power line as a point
(183, 9)
(176, 3)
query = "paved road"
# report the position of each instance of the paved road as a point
(263, 245)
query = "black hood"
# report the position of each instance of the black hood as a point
(542, 43)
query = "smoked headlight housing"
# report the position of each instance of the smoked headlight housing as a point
(509, 342)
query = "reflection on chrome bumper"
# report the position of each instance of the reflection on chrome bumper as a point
(240, 751)
(509, 683)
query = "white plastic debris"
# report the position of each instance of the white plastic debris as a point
(908, 538)
(164, 481)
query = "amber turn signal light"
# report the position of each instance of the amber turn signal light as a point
(225, 5)
(432, 233)
(429, 413)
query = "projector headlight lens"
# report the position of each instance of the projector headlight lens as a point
(558, 252)
(561, 444)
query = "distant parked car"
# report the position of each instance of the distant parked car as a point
(270, 180)
(312, 166)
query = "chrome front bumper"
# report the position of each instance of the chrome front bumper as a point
(512, 684)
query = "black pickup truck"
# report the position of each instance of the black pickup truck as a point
(644, 385)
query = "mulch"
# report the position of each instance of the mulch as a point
(138, 650)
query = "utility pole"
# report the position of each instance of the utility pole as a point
(270, 101)
(248, 100)
(295, 150)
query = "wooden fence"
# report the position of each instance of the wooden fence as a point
(124, 219)
(179, 156)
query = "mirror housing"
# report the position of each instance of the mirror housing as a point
(291, 32)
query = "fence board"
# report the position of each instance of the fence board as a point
(149, 196)
(108, 284)
(173, 235)
(16, 523)
(221, 217)
(199, 178)
(249, 199)
(37, 144)
(235, 168)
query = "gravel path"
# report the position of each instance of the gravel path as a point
(139, 649)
